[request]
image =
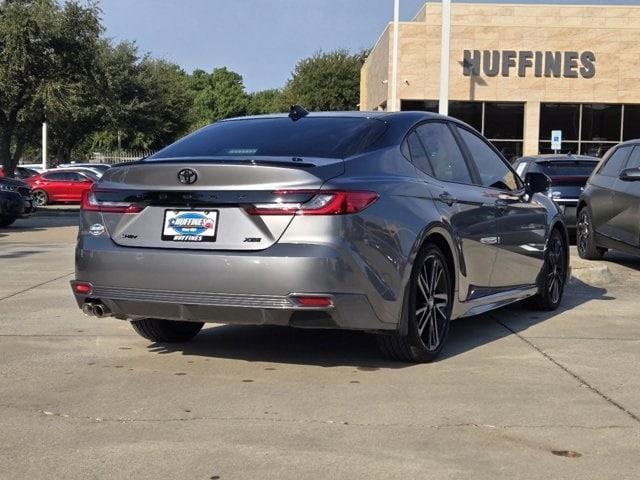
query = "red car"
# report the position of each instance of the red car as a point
(60, 186)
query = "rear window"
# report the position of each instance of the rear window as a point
(323, 137)
(578, 168)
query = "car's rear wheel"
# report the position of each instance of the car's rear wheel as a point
(428, 310)
(166, 331)
(585, 237)
(40, 197)
(6, 221)
(554, 274)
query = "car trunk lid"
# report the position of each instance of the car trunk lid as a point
(203, 203)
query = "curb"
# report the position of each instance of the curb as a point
(591, 273)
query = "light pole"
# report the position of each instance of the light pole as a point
(443, 108)
(394, 59)
(44, 145)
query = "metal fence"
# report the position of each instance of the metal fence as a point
(119, 156)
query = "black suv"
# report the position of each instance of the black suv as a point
(15, 201)
(568, 173)
(609, 207)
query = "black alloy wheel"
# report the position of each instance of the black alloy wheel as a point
(585, 237)
(428, 310)
(554, 274)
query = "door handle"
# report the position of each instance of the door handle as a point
(447, 198)
(501, 205)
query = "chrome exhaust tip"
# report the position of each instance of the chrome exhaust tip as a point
(100, 310)
(88, 310)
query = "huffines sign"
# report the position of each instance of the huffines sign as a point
(492, 63)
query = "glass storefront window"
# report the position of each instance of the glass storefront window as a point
(601, 122)
(469, 112)
(560, 116)
(419, 105)
(595, 149)
(510, 150)
(631, 122)
(567, 147)
(504, 121)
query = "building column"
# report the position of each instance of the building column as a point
(531, 128)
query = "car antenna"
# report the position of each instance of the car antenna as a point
(296, 112)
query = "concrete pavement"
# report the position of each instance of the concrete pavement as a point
(517, 394)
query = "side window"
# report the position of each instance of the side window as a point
(634, 159)
(616, 162)
(55, 176)
(443, 153)
(494, 172)
(418, 154)
(75, 177)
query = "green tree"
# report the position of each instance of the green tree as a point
(146, 102)
(41, 43)
(326, 81)
(265, 101)
(220, 95)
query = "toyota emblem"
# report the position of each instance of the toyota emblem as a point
(187, 176)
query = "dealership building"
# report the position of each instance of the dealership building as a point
(517, 72)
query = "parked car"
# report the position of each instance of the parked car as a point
(65, 185)
(33, 166)
(568, 174)
(93, 171)
(608, 211)
(100, 167)
(20, 172)
(15, 201)
(389, 223)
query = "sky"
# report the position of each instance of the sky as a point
(260, 39)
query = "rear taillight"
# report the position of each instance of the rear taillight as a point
(90, 203)
(325, 202)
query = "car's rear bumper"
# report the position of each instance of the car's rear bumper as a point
(12, 204)
(569, 210)
(227, 287)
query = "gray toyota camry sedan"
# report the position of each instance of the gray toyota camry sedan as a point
(388, 223)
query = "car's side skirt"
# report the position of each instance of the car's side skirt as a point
(608, 242)
(496, 300)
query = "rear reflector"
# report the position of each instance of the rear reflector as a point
(325, 202)
(82, 288)
(313, 301)
(90, 203)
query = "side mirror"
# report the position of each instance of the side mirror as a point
(536, 182)
(630, 175)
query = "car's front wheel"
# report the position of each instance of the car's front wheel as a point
(40, 198)
(585, 237)
(428, 310)
(554, 274)
(166, 331)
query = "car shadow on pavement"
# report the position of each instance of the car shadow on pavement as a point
(469, 333)
(326, 348)
(330, 348)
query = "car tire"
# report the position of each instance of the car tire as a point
(166, 331)
(553, 275)
(40, 197)
(428, 310)
(585, 237)
(6, 221)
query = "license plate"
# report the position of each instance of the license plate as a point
(190, 225)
